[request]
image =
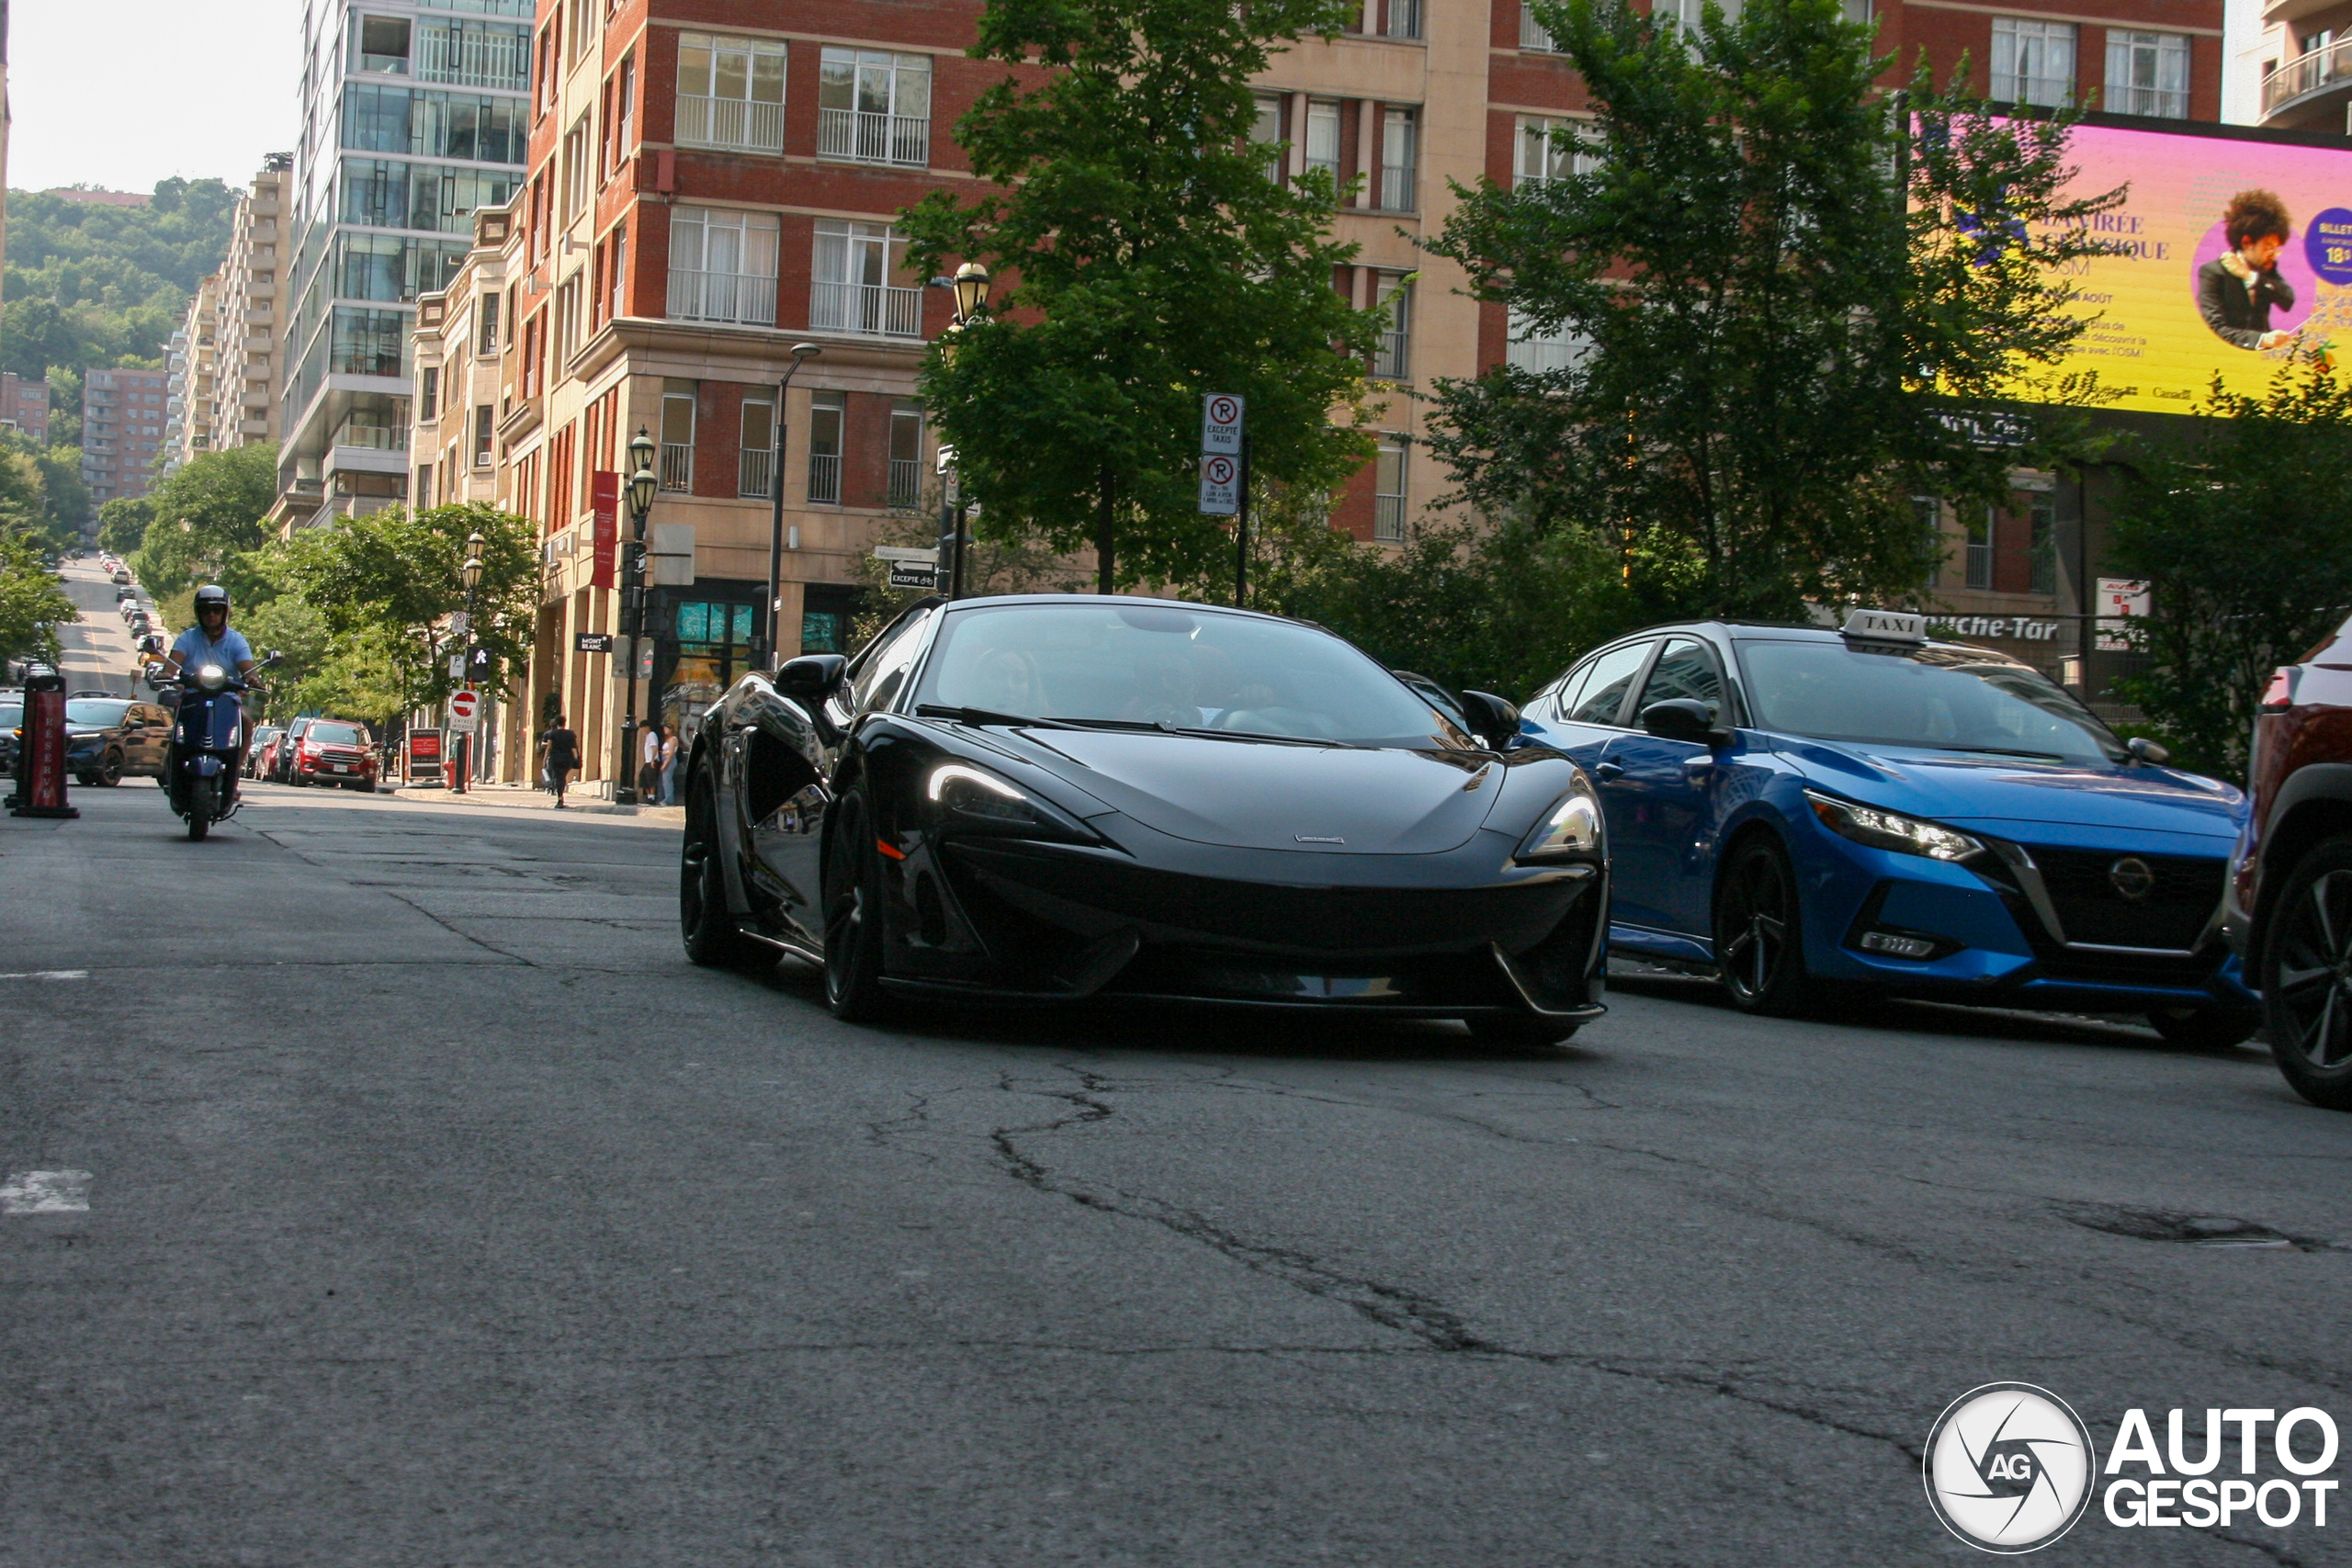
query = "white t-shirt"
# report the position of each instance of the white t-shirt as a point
(651, 751)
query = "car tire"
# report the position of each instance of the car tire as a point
(853, 894)
(2306, 997)
(708, 926)
(1759, 931)
(110, 771)
(2205, 1029)
(87, 780)
(1531, 1030)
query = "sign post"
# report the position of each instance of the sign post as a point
(2120, 599)
(1225, 478)
(910, 567)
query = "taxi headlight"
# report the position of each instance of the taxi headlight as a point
(1573, 826)
(1883, 830)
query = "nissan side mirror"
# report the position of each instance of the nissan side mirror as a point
(1492, 719)
(1686, 719)
(812, 677)
(2144, 749)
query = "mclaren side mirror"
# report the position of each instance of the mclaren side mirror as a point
(2144, 749)
(1492, 719)
(812, 677)
(1684, 718)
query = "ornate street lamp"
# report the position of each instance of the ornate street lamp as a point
(643, 484)
(970, 284)
(765, 654)
(472, 572)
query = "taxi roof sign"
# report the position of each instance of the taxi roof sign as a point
(1885, 625)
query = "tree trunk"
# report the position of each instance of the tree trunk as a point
(1105, 557)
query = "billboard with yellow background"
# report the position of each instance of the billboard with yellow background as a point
(2206, 282)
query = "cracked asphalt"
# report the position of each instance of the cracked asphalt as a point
(439, 1213)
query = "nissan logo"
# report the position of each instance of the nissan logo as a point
(2131, 877)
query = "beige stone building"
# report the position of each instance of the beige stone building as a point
(190, 364)
(457, 350)
(249, 371)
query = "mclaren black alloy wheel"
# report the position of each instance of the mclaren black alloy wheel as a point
(1760, 932)
(711, 935)
(199, 808)
(2305, 975)
(854, 914)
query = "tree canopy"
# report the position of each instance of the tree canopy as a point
(93, 284)
(204, 520)
(1144, 257)
(1769, 285)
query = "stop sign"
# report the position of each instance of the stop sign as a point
(463, 706)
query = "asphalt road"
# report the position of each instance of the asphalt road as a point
(99, 652)
(439, 1213)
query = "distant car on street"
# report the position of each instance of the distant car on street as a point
(282, 756)
(334, 751)
(1804, 810)
(258, 750)
(12, 718)
(121, 577)
(2289, 907)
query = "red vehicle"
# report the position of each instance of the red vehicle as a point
(334, 751)
(2288, 908)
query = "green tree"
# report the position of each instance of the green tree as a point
(24, 495)
(208, 518)
(123, 523)
(390, 580)
(1778, 291)
(32, 603)
(1150, 259)
(2245, 538)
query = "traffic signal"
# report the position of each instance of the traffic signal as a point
(480, 664)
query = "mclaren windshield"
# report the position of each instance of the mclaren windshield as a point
(1163, 667)
(1938, 698)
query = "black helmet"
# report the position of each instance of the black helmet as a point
(212, 593)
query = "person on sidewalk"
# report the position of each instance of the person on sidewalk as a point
(563, 757)
(669, 764)
(649, 758)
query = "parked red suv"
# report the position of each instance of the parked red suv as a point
(331, 751)
(2288, 908)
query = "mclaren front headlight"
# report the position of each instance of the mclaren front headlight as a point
(972, 799)
(1885, 829)
(1572, 828)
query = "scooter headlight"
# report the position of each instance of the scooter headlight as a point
(1572, 826)
(212, 677)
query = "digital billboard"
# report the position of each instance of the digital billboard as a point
(2207, 283)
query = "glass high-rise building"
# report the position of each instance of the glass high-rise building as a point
(414, 113)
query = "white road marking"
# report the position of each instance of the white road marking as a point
(49, 975)
(46, 1193)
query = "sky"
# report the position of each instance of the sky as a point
(124, 92)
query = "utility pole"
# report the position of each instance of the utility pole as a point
(764, 656)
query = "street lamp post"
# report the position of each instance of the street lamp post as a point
(642, 484)
(970, 286)
(472, 572)
(763, 657)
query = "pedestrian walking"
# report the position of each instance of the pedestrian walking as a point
(563, 757)
(649, 763)
(669, 764)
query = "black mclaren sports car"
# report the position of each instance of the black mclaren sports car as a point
(1052, 798)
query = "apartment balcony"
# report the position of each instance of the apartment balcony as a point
(744, 298)
(731, 125)
(2311, 92)
(870, 310)
(751, 471)
(903, 140)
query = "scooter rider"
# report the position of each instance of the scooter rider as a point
(209, 641)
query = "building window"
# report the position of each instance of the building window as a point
(1266, 130)
(1979, 563)
(486, 339)
(730, 93)
(1394, 358)
(851, 289)
(2147, 74)
(1553, 149)
(2033, 61)
(628, 108)
(678, 400)
(2045, 516)
(1404, 19)
(1323, 136)
(381, 45)
(1541, 353)
(474, 54)
(425, 487)
(1397, 158)
(1388, 491)
(826, 412)
(575, 167)
(758, 454)
(722, 266)
(873, 107)
(485, 432)
(1532, 34)
(906, 457)
(428, 392)
(367, 342)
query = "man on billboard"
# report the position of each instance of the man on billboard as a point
(2236, 290)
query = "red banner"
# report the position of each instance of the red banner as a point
(605, 495)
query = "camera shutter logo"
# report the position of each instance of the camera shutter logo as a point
(2009, 1468)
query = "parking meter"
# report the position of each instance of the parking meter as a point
(40, 758)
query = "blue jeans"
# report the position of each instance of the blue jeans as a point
(670, 784)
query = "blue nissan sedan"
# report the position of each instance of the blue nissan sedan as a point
(1808, 812)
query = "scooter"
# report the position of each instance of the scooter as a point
(208, 734)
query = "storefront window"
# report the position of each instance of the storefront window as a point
(714, 645)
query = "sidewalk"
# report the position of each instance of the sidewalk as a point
(531, 799)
